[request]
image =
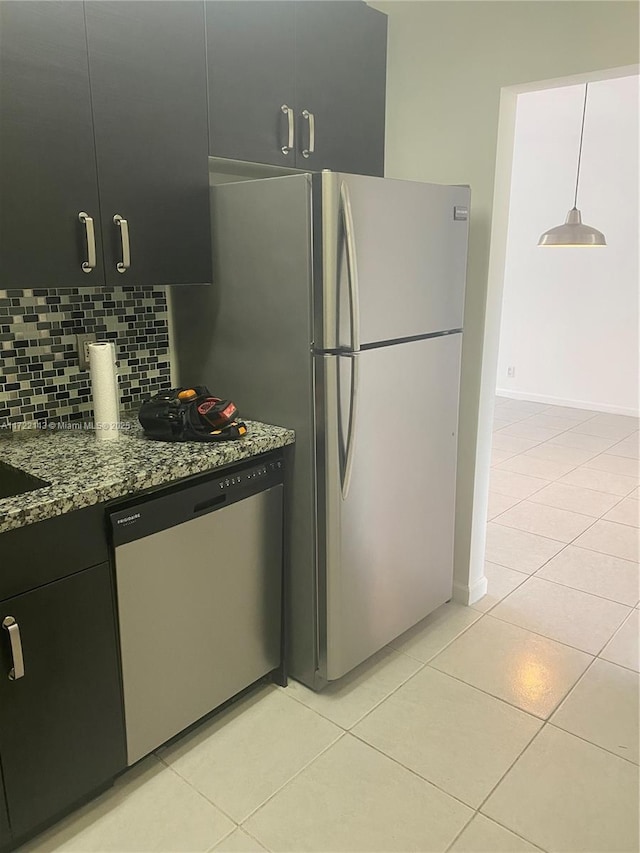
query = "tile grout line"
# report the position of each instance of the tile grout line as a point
(255, 838)
(574, 588)
(423, 665)
(565, 544)
(539, 444)
(542, 535)
(620, 499)
(200, 793)
(276, 791)
(211, 849)
(475, 809)
(342, 735)
(502, 826)
(386, 696)
(507, 771)
(525, 577)
(500, 698)
(561, 642)
(548, 722)
(631, 608)
(580, 737)
(591, 743)
(578, 422)
(412, 771)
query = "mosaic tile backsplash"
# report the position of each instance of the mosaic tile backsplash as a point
(40, 376)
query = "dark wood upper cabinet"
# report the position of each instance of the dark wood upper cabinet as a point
(326, 59)
(104, 111)
(250, 60)
(148, 85)
(47, 157)
(341, 50)
(61, 723)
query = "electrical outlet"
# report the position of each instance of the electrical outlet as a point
(511, 371)
(82, 345)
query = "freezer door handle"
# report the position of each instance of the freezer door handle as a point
(351, 430)
(352, 266)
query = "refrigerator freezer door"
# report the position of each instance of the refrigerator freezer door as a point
(410, 258)
(387, 544)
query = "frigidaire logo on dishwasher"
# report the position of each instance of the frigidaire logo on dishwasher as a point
(129, 519)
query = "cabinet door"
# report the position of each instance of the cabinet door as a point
(47, 157)
(148, 85)
(61, 725)
(5, 833)
(341, 48)
(250, 61)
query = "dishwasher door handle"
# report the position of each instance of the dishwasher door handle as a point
(210, 504)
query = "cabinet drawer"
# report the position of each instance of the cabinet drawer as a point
(48, 550)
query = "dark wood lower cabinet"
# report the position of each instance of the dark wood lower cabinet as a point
(5, 835)
(61, 723)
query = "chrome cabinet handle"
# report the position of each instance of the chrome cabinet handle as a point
(87, 221)
(11, 626)
(286, 149)
(312, 133)
(125, 263)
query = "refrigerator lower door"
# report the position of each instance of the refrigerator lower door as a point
(389, 493)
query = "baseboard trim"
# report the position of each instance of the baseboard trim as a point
(464, 594)
(570, 404)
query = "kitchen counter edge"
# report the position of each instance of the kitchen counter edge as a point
(84, 471)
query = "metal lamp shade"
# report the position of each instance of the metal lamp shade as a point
(572, 233)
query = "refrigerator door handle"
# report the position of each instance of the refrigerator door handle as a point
(353, 424)
(352, 266)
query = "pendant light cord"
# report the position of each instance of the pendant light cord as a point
(584, 112)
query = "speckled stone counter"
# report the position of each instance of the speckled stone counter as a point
(84, 471)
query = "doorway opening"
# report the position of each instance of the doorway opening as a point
(503, 228)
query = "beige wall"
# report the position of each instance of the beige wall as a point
(447, 62)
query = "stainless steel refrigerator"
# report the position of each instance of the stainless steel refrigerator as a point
(336, 310)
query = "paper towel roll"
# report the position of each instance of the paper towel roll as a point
(104, 388)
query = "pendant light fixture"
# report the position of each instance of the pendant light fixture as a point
(573, 232)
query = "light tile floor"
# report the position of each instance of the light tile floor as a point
(508, 726)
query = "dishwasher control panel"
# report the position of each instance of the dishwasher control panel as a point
(250, 475)
(193, 497)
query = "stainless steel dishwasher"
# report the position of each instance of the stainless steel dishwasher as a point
(199, 578)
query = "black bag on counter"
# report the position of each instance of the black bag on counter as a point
(190, 414)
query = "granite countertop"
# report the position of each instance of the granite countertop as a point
(84, 471)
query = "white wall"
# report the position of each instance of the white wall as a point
(570, 316)
(447, 63)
